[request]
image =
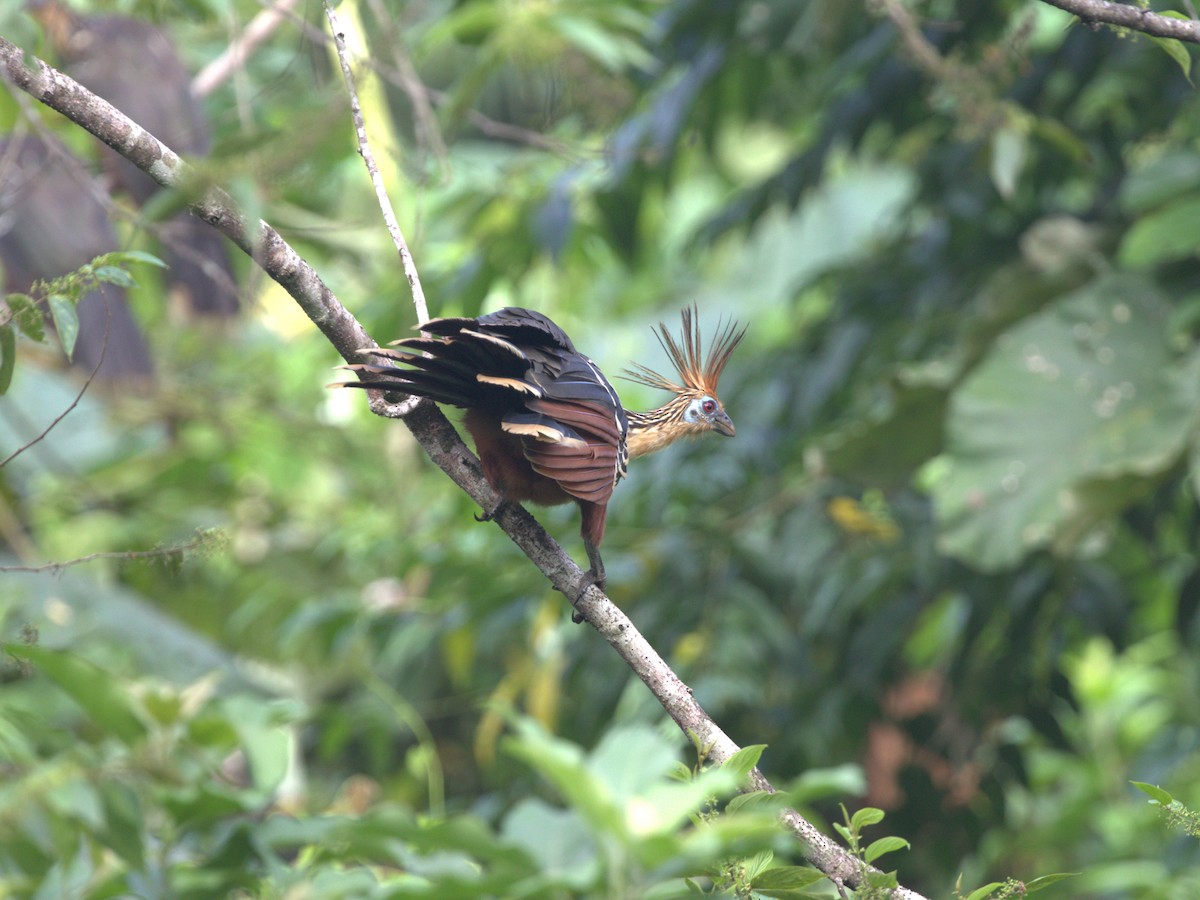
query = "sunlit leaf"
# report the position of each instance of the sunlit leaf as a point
(1154, 792)
(744, 759)
(884, 845)
(864, 817)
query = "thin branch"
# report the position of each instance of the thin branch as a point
(1103, 12)
(260, 28)
(195, 543)
(74, 403)
(429, 133)
(364, 149)
(435, 434)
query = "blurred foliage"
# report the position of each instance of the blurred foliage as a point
(947, 568)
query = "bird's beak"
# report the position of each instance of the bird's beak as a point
(723, 424)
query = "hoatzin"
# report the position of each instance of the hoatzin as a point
(548, 426)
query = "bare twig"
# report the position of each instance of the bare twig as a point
(157, 553)
(1103, 12)
(364, 148)
(435, 434)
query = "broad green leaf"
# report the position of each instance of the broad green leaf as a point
(123, 822)
(783, 878)
(66, 321)
(1154, 792)
(106, 701)
(8, 356)
(1176, 48)
(820, 784)
(557, 839)
(610, 761)
(758, 863)
(884, 845)
(744, 760)
(1178, 52)
(758, 800)
(562, 763)
(1165, 235)
(864, 817)
(1074, 412)
(1160, 180)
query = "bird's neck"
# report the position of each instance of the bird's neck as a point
(656, 429)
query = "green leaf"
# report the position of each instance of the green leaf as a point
(106, 701)
(1165, 235)
(1009, 149)
(1046, 880)
(884, 845)
(27, 316)
(758, 863)
(757, 800)
(8, 356)
(1075, 412)
(782, 878)
(131, 256)
(1175, 48)
(984, 892)
(562, 763)
(1154, 792)
(609, 761)
(744, 760)
(1160, 180)
(114, 275)
(866, 816)
(262, 736)
(66, 321)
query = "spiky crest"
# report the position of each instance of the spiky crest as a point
(698, 377)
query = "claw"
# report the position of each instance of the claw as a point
(594, 575)
(488, 515)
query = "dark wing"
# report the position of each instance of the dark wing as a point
(580, 398)
(526, 328)
(520, 366)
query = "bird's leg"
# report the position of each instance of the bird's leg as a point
(594, 575)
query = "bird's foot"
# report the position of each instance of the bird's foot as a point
(590, 577)
(488, 514)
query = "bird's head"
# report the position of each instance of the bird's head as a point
(695, 408)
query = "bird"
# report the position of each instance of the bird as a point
(547, 424)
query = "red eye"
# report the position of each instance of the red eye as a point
(709, 407)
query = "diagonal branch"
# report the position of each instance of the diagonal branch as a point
(431, 429)
(1104, 12)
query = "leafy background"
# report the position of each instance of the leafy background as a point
(947, 568)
